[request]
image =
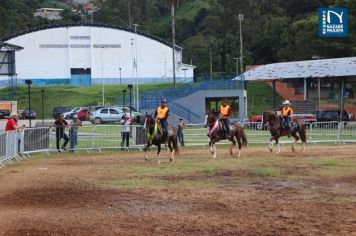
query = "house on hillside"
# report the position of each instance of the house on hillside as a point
(49, 13)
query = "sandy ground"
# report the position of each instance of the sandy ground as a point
(59, 195)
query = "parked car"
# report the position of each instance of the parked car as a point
(69, 114)
(331, 115)
(60, 110)
(106, 114)
(307, 119)
(4, 114)
(83, 114)
(134, 113)
(27, 114)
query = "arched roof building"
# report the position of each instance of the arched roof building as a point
(90, 53)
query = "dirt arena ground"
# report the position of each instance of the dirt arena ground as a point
(119, 193)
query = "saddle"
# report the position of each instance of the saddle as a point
(223, 131)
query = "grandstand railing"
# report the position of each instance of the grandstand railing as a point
(15, 146)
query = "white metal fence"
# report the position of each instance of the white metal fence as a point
(17, 145)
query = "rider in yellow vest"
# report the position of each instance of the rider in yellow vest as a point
(225, 112)
(287, 111)
(161, 114)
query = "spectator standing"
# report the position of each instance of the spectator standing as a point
(11, 123)
(181, 126)
(73, 132)
(60, 125)
(126, 121)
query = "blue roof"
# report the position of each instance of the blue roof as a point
(325, 68)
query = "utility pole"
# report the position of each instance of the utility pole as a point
(174, 44)
(136, 74)
(211, 65)
(241, 18)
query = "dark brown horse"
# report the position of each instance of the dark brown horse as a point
(237, 134)
(276, 128)
(155, 137)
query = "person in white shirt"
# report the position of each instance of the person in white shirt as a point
(126, 121)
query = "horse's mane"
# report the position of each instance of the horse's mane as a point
(271, 116)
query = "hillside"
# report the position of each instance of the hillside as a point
(273, 30)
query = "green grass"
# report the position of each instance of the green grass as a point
(259, 96)
(267, 172)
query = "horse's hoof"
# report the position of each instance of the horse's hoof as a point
(146, 158)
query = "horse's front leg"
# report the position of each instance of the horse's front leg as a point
(233, 140)
(171, 150)
(239, 145)
(270, 145)
(213, 148)
(277, 142)
(147, 145)
(158, 149)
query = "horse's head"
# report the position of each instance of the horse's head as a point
(269, 117)
(149, 121)
(210, 119)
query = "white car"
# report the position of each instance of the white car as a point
(69, 114)
(106, 114)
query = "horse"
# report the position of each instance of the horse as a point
(215, 126)
(155, 137)
(276, 129)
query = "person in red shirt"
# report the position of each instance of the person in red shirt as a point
(12, 123)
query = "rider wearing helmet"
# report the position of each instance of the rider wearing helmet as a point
(225, 112)
(287, 111)
(161, 114)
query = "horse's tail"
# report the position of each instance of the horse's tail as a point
(243, 137)
(302, 132)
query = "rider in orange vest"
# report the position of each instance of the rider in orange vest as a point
(225, 112)
(161, 115)
(287, 111)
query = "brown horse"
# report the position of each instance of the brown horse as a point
(155, 137)
(276, 128)
(237, 134)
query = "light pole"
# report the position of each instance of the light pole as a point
(123, 97)
(185, 75)
(29, 82)
(241, 18)
(211, 65)
(130, 90)
(133, 67)
(237, 65)
(102, 74)
(136, 76)
(42, 93)
(120, 74)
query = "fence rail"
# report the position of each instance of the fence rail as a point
(18, 145)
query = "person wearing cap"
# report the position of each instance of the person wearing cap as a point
(161, 115)
(75, 123)
(126, 121)
(60, 125)
(287, 111)
(225, 112)
(181, 126)
(11, 123)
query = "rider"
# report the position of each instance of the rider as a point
(161, 115)
(225, 112)
(287, 111)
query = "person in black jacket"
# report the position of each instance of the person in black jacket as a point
(60, 125)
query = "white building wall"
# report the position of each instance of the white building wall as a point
(50, 54)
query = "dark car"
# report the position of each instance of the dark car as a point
(60, 110)
(4, 114)
(27, 114)
(331, 115)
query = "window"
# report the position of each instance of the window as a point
(104, 111)
(112, 111)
